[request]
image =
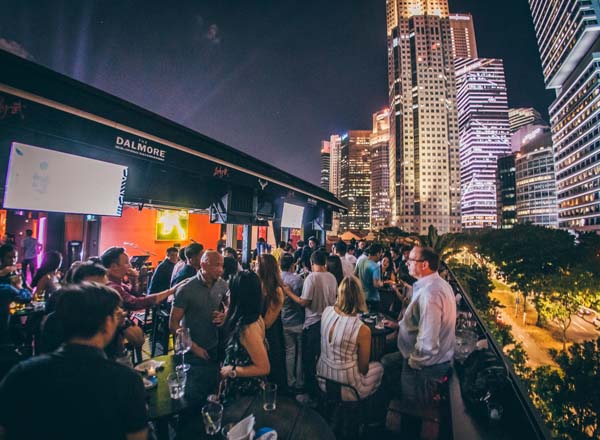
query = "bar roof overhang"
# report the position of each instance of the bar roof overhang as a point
(182, 169)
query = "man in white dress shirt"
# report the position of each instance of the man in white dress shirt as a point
(425, 333)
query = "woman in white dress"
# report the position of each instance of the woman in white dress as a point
(346, 344)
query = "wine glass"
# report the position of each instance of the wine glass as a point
(183, 344)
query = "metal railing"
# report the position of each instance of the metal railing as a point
(528, 422)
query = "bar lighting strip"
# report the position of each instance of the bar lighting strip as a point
(104, 121)
(41, 238)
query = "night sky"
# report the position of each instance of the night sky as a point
(271, 78)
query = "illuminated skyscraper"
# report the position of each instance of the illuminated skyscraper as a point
(534, 176)
(355, 179)
(520, 117)
(424, 167)
(464, 44)
(568, 35)
(325, 164)
(484, 136)
(380, 169)
(506, 186)
(335, 144)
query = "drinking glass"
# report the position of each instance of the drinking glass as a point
(212, 413)
(270, 397)
(379, 321)
(225, 429)
(177, 381)
(495, 411)
(183, 344)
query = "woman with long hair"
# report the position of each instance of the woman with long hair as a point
(46, 279)
(387, 270)
(230, 268)
(272, 288)
(334, 266)
(346, 344)
(246, 360)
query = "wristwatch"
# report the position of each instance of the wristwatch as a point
(233, 373)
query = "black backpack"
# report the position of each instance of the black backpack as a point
(483, 379)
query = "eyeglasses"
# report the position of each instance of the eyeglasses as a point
(416, 261)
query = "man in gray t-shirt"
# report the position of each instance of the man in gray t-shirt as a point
(318, 292)
(197, 304)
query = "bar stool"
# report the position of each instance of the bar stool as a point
(425, 421)
(346, 417)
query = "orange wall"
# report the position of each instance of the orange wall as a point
(139, 228)
(73, 227)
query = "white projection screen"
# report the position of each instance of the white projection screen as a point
(292, 216)
(45, 180)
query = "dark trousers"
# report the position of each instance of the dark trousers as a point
(29, 263)
(416, 388)
(311, 350)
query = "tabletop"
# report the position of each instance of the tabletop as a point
(202, 380)
(291, 420)
(29, 309)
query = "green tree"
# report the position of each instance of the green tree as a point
(443, 245)
(528, 254)
(478, 285)
(568, 292)
(390, 233)
(569, 398)
(518, 357)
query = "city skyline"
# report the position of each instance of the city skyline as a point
(198, 75)
(568, 35)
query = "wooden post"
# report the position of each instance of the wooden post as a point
(231, 231)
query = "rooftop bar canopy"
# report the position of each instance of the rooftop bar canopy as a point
(168, 165)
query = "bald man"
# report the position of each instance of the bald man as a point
(196, 306)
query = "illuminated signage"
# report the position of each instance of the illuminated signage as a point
(140, 147)
(172, 225)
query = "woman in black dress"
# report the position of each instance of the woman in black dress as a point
(246, 362)
(272, 288)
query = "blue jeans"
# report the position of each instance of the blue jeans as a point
(293, 355)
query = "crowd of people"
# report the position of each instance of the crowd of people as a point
(294, 319)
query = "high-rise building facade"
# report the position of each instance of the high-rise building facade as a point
(484, 136)
(355, 179)
(462, 30)
(506, 186)
(534, 177)
(520, 117)
(380, 170)
(568, 35)
(335, 145)
(424, 165)
(325, 164)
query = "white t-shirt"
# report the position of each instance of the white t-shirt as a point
(321, 289)
(347, 267)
